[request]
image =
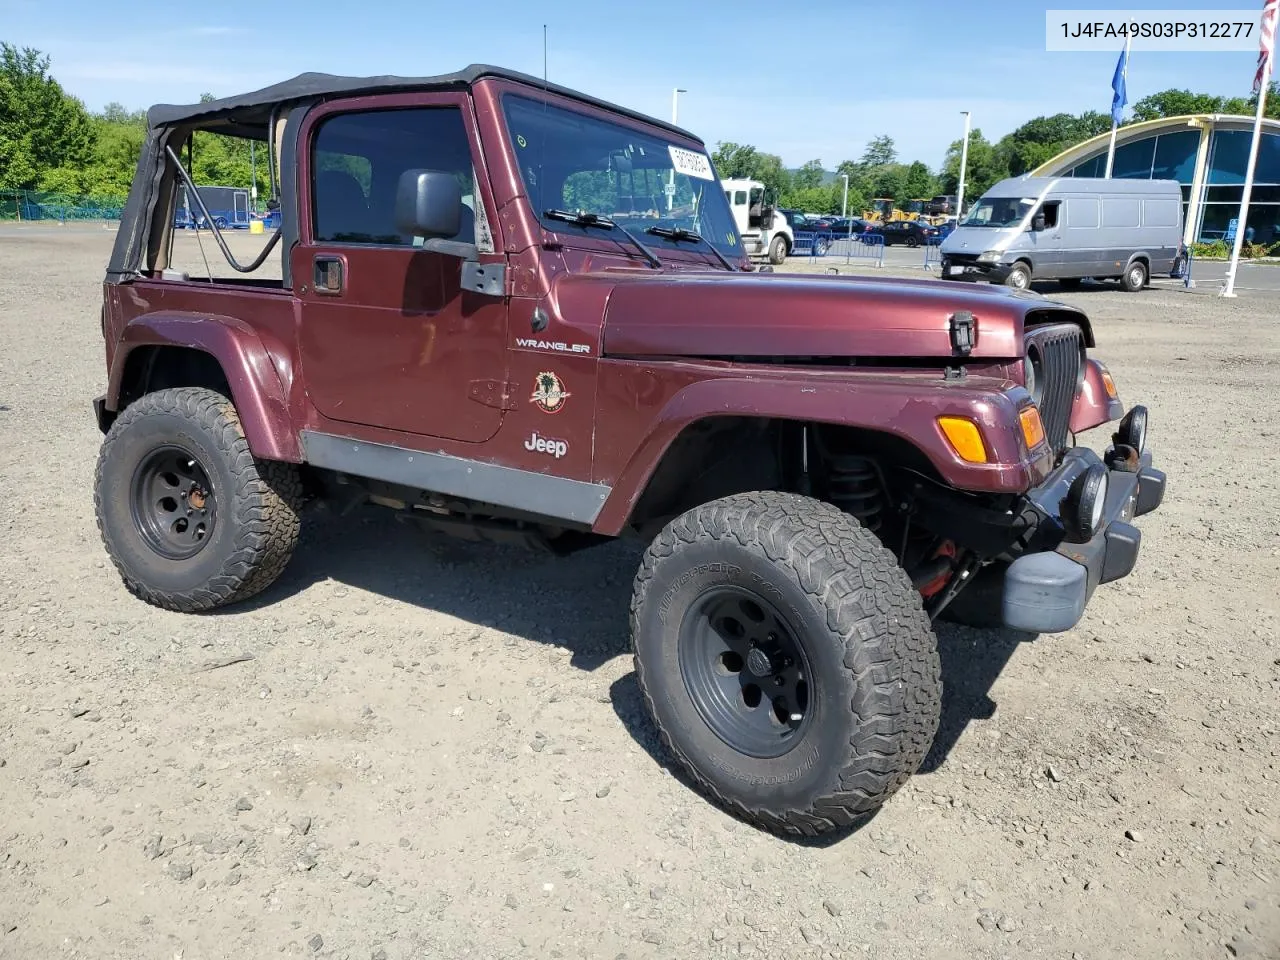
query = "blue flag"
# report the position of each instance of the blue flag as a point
(1117, 84)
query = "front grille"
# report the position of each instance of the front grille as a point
(1061, 359)
(965, 258)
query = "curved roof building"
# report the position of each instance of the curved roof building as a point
(1206, 153)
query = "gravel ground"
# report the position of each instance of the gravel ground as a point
(412, 747)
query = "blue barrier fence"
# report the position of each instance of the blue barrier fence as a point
(40, 205)
(862, 247)
(932, 252)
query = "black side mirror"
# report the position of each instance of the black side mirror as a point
(428, 204)
(1037, 222)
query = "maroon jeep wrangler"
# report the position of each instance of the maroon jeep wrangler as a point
(517, 312)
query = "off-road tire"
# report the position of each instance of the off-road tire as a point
(257, 523)
(1134, 278)
(875, 675)
(778, 250)
(1019, 276)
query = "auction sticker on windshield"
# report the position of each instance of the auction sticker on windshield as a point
(691, 163)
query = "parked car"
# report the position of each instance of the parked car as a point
(912, 233)
(560, 377)
(942, 204)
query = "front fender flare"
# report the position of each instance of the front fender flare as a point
(257, 389)
(905, 406)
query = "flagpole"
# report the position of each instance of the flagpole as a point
(1115, 124)
(1229, 289)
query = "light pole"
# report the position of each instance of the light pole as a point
(671, 177)
(844, 200)
(964, 159)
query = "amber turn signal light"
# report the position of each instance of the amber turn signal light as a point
(1032, 426)
(964, 437)
(1110, 384)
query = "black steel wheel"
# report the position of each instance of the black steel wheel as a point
(786, 659)
(174, 504)
(745, 670)
(190, 518)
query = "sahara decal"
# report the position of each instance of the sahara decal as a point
(556, 448)
(549, 393)
(557, 346)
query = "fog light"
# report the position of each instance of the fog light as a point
(1133, 430)
(1083, 506)
(964, 437)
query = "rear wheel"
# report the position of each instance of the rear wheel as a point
(778, 250)
(1135, 277)
(221, 223)
(913, 242)
(786, 659)
(190, 518)
(1019, 276)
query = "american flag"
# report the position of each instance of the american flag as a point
(1266, 40)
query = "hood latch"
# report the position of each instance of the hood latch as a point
(964, 332)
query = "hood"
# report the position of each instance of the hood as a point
(781, 315)
(975, 240)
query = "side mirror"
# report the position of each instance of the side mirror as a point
(1037, 222)
(428, 204)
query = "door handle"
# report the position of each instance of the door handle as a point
(330, 275)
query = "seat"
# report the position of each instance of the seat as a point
(342, 212)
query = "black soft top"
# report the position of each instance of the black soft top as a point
(253, 110)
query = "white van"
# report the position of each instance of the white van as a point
(1068, 228)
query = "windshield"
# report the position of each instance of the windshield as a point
(574, 162)
(998, 212)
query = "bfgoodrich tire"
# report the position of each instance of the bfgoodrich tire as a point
(191, 520)
(786, 660)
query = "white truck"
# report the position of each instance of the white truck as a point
(765, 231)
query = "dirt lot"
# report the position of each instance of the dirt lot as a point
(438, 750)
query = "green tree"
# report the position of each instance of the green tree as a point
(880, 151)
(745, 161)
(918, 181)
(42, 128)
(808, 176)
(982, 169)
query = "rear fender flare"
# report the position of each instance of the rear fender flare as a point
(902, 406)
(247, 360)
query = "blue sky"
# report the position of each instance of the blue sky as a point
(808, 80)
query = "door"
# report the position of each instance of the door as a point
(240, 211)
(387, 337)
(1048, 243)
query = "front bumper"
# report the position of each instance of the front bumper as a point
(1047, 589)
(972, 270)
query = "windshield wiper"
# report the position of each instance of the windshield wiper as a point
(679, 233)
(595, 220)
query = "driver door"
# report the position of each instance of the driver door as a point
(387, 337)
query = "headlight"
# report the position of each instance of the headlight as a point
(1033, 373)
(990, 256)
(1083, 506)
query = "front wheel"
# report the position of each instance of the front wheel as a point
(786, 660)
(820, 248)
(189, 517)
(777, 250)
(1019, 276)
